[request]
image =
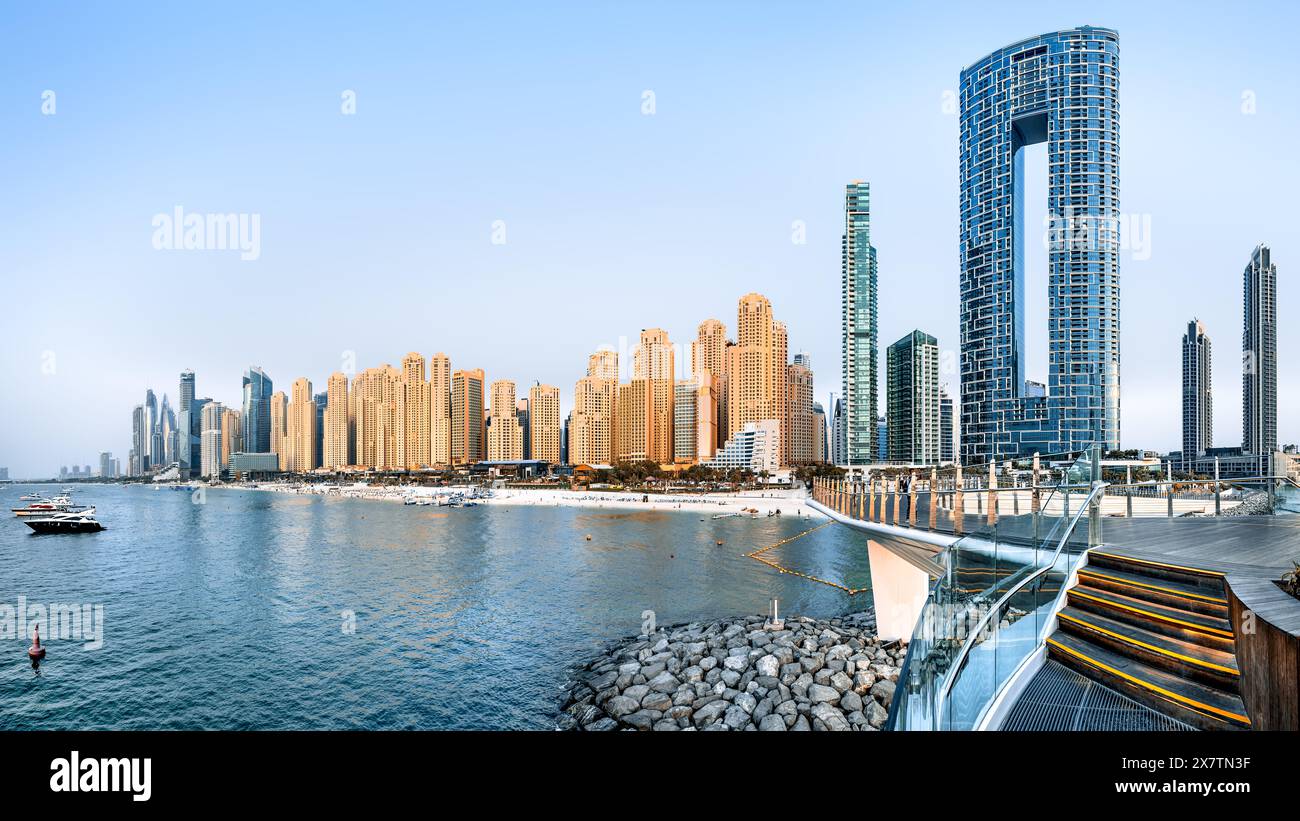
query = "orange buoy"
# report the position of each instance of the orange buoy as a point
(36, 651)
(588, 537)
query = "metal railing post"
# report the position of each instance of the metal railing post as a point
(1094, 515)
(958, 502)
(934, 498)
(993, 496)
(1169, 487)
(1218, 489)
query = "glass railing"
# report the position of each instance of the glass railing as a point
(988, 612)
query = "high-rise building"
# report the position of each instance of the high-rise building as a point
(334, 450)
(210, 440)
(544, 423)
(800, 421)
(685, 418)
(595, 399)
(139, 441)
(321, 400)
(301, 433)
(947, 433)
(232, 435)
(753, 448)
(257, 411)
(882, 440)
(153, 447)
(416, 405)
(378, 408)
(106, 466)
(505, 440)
(521, 413)
(912, 388)
(654, 362)
(632, 417)
(1198, 417)
(821, 440)
(1259, 357)
(859, 343)
(1061, 89)
(189, 427)
(709, 354)
(706, 415)
(839, 444)
(564, 439)
(280, 428)
(756, 375)
(468, 430)
(439, 410)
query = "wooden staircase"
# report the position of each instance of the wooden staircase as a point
(1156, 632)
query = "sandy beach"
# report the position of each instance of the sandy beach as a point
(786, 502)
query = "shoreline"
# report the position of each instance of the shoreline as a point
(777, 502)
(739, 674)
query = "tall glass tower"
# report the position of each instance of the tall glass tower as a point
(1198, 399)
(256, 422)
(858, 326)
(1259, 360)
(1061, 89)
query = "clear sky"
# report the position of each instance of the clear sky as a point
(376, 228)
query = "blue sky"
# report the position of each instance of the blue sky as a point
(376, 227)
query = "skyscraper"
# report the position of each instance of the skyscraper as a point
(257, 411)
(1259, 354)
(337, 413)
(301, 434)
(595, 396)
(505, 441)
(439, 410)
(800, 419)
(912, 388)
(1198, 417)
(416, 405)
(153, 446)
(858, 326)
(633, 421)
(709, 353)
(654, 362)
(821, 440)
(280, 428)
(139, 440)
(544, 423)
(210, 440)
(685, 416)
(189, 427)
(232, 436)
(1061, 89)
(468, 432)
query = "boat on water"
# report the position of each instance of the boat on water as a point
(59, 504)
(30, 497)
(80, 522)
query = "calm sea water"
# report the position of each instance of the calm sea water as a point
(231, 614)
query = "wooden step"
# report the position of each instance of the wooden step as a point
(1204, 664)
(1153, 588)
(1193, 702)
(1210, 631)
(1193, 577)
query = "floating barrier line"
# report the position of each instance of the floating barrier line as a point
(757, 555)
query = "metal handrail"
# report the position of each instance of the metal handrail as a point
(960, 658)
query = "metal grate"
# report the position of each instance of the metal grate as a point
(1059, 699)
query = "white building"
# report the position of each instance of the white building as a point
(757, 448)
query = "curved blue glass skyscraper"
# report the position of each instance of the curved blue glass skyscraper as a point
(1061, 89)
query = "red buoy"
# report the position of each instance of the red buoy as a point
(36, 651)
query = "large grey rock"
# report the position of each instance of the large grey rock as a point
(876, 714)
(768, 666)
(746, 702)
(884, 690)
(636, 692)
(841, 682)
(620, 706)
(772, 723)
(665, 682)
(657, 701)
(850, 702)
(736, 663)
(831, 717)
(736, 718)
(821, 694)
(709, 712)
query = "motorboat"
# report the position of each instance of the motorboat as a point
(30, 497)
(59, 504)
(80, 522)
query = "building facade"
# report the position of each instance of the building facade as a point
(256, 422)
(1259, 354)
(505, 440)
(802, 442)
(912, 407)
(1198, 406)
(859, 343)
(1061, 89)
(544, 434)
(468, 427)
(337, 424)
(301, 424)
